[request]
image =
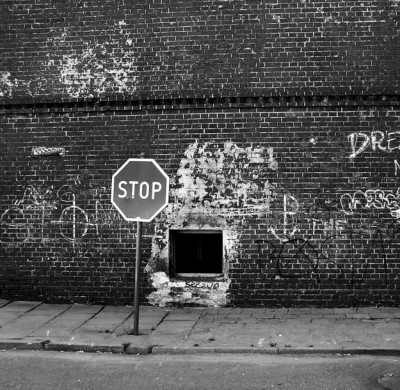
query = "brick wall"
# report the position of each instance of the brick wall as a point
(277, 123)
(171, 48)
(309, 206)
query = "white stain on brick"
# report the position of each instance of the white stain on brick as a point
(87, 74)
(101, 66)
(7, 84)
(223, 177)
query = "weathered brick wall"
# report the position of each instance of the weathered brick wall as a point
(277, 122)
(307, 198)
(171, 48)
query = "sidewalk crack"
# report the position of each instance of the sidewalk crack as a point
(162, 319)
(85, 322)
(196, 322)
(51, 319)
(123, 321)
(5, 304)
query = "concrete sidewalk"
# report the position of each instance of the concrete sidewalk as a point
(75, 327)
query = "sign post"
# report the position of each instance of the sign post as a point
(137, 280)
(139, 191)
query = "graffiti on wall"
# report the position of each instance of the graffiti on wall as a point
(219, 186)
(314, 249)
(308, 242)
(50, 214)
(372, 199)
(377, 141)
(289, 227)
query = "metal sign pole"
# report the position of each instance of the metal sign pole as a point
(151, 185)
(137, 280)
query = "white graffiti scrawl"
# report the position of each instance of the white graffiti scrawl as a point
(372, 199)
(377, 140)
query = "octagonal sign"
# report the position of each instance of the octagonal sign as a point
(139, 189)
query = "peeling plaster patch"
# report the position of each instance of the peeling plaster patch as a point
(204, 293)
(169, 291)
(225, 177)
(216, 187)
(101, 66)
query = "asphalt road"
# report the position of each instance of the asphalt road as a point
(56, 370)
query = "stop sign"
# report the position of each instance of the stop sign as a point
(139, 189)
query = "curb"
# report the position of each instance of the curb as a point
(287, 351)
(127, 349)
(158, 350)
(23, 345)
(130, 349)
(117, 349)
(47, 345)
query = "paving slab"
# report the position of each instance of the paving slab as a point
(26, 324)
(20, 306)
(148, 322)
(92, 328)
(174, 329)
(100, 327)
(66, 322)
(12, 310)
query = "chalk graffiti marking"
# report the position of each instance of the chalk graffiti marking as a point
(74, 223)
(290, 209)
(372, 199)
(48, 215)
(13, 229)
(377, 140)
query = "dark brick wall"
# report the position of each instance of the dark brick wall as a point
(276, 121)
(310, 223)
(89, 48)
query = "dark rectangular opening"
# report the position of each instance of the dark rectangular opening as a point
(196, 252)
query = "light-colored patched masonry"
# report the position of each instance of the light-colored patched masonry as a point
(217, 187)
